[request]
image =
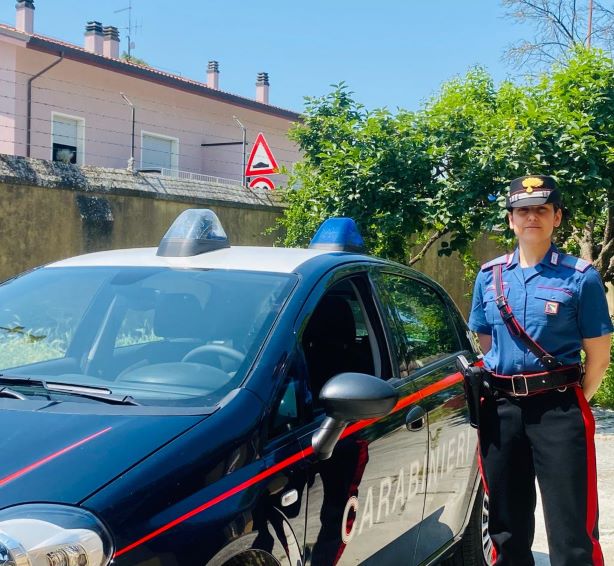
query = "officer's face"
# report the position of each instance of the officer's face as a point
(534, 224)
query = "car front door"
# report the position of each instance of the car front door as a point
(433, 336)
(365, 502)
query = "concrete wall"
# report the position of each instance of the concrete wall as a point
(41, 225)
(449, 272)
(51, 211)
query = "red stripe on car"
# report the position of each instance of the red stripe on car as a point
(48, 459)
(445, 383)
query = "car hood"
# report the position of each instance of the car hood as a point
(63, 457)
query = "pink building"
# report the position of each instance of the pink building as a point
(65, 102)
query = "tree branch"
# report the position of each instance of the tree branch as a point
(586, 241)
(432, 239)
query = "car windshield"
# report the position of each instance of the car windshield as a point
(162, 336)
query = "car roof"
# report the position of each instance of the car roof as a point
(248, 258)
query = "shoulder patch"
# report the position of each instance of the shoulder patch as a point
(576, 263)
(497, 261)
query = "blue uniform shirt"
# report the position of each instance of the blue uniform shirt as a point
(559, 302)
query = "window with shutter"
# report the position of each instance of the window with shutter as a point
(67, 138)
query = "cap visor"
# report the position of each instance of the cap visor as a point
(531, 201)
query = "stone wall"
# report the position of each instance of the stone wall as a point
(51, 211)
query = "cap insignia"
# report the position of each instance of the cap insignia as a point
(531, 183)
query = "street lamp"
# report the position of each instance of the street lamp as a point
(244, 142)
(131, 160)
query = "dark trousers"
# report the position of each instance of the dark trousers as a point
(549, 436)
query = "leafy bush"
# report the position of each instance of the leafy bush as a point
(605, 395)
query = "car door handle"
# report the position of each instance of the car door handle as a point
(415, 419)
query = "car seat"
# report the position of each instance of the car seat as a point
(329, 343)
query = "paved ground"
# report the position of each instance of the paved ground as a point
(604, 442)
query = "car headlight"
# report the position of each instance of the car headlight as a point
(52, 535)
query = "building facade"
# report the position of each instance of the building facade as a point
(86, 105)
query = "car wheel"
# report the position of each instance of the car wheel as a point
(476, 547)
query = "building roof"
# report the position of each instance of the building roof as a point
(76, 53)
(248, 258)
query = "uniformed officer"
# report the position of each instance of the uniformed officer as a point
(534, 310)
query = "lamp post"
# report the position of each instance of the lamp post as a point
(244, 142)
(131, 160)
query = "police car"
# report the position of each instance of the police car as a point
(198, 403)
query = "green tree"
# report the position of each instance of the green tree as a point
(367, 165)
(410, 178)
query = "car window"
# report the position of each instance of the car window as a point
(286, 413)
(137, 327)
(164, 336)
(339, 337)
(422, 328)
(38, 324)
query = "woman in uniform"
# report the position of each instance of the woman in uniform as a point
(534, 311)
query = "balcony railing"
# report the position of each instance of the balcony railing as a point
(189, 176)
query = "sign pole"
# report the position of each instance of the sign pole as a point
(244, 142)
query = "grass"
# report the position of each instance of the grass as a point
(21, 350)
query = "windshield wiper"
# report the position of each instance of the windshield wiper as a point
(89, 392)
(7, 392)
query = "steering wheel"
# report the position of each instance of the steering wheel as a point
(219, 349)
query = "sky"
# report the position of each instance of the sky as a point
(390, 53)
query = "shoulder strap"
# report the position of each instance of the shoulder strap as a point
(497, 261)
(514, 327)
(576, 263)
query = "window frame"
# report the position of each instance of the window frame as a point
(80, 135)
(354, 272)
(454, 318)
(174, 148)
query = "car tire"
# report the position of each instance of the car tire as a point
(475, 548)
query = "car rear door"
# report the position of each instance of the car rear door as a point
(365, 503)
(433, 334)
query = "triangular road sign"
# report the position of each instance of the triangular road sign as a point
(261, 160)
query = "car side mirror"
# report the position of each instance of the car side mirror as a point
(350, 397)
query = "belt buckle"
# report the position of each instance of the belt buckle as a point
(526, 385)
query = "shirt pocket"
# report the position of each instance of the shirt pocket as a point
(552, 306)
(493, 316)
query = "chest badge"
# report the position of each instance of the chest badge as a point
(551, 307)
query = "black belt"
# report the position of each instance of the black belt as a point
(523, 384)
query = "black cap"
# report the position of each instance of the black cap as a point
(532, 190)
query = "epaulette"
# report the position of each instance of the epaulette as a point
(497, 261)
(574, 262)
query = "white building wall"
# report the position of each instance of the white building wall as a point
(93, 94)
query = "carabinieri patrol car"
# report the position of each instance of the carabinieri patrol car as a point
(198, 403)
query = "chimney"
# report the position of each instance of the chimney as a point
(262, 88)
(93, 37)
(110, 46)
(213, 75)
(25, 16)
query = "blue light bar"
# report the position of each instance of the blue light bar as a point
(193, 232)
(338, 234)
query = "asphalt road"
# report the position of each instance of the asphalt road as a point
(604, 443)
